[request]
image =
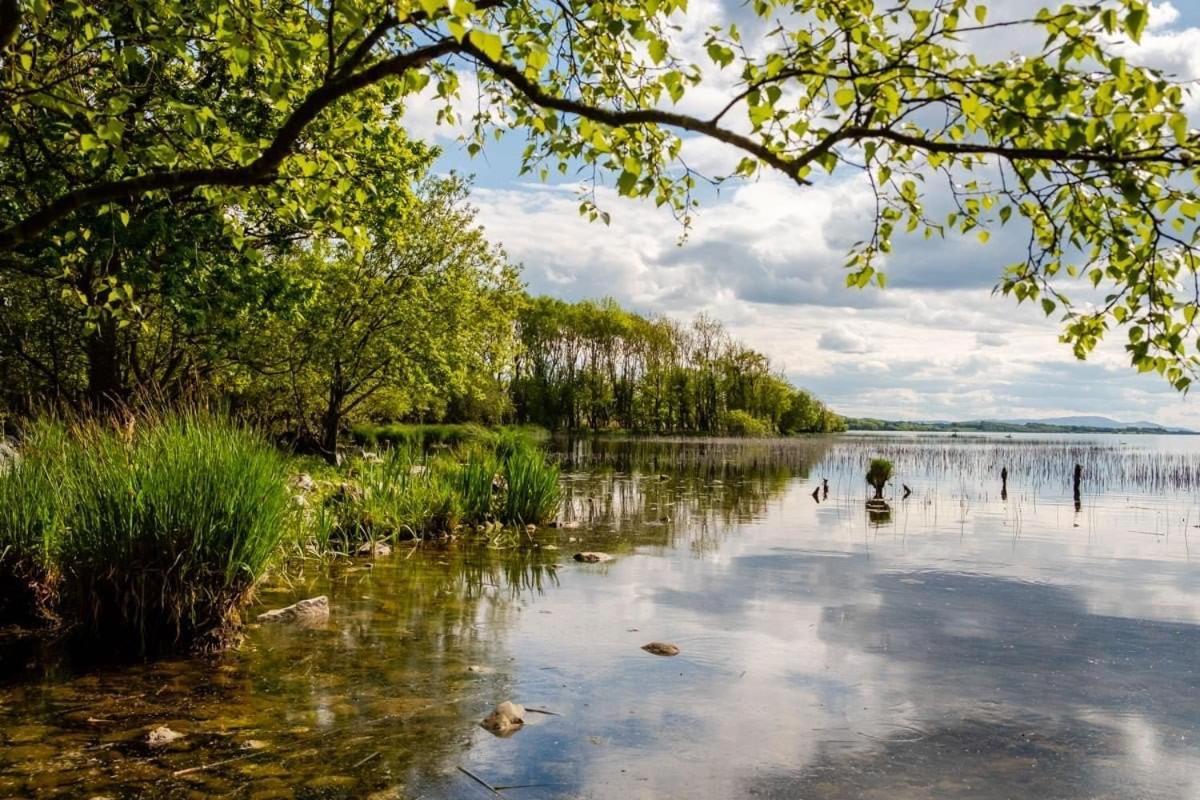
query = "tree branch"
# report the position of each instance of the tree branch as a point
(262, 170)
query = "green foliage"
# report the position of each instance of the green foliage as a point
(594, 365)
(420, 319)
(403, 496)
(532, 493)
(170, 526)
(292, 109)
(157, 531)
(878, 474)
(740, 423)
(31, 521)
(410, 494)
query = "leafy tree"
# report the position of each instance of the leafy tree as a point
(407, 324)
(595, 365)
(1092, 155)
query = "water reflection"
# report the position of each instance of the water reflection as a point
(966, 646)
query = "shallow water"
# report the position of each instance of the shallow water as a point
(962, 646)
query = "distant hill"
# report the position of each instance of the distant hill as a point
(1077, 424)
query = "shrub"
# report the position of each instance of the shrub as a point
(170, 526)
(878, 474)
(740, 423)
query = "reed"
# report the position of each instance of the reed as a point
(172, 523)
(31, 511)
(532, 492)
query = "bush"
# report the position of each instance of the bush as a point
(740, 423)
(878, 474)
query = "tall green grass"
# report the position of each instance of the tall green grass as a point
(412, 494)
(532, 491)
(31, 517)
(157, 531)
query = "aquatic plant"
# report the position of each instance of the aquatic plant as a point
(532, 490)
(171, 524)
(878, 474)
(31, 511)
(478, 484)
(401, 496)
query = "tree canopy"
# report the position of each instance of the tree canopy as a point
(245, 104)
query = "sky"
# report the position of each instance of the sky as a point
(765, 257)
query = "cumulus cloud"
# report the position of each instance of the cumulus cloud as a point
(843, 340)
(766, 258)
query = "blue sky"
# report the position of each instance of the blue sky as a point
(765, 257)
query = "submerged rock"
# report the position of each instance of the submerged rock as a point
(375, 549)
(162, 736)
(306, 612)
(661, 648)
(591, 557)
(506, 719)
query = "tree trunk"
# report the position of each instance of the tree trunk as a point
(105, 389)
(331, 420)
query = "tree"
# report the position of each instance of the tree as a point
(421, 314)
(1093, 156)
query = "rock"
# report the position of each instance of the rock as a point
(306, 612)
(8, 455)
(371, 458)
(531, 528)
(162, 736)
(478, 670)
(346, 493)
(593, 557)
(506, 719)
(304, 482)
(562, 523)
(374, 549)
(661, 648)
(299, 501)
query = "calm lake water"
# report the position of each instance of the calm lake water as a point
(962, 645)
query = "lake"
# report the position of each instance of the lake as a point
(959, 644)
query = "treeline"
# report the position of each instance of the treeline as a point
(596, 366)
(399, 310)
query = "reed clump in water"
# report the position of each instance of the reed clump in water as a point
(30, 523)
(409, 494)
(156, 532)
(878, 474)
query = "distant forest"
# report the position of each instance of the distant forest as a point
(990, 426)
(594, 365)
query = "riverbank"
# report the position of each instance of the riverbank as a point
(151, 536)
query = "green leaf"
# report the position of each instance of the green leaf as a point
(491, 44)
(845, 97)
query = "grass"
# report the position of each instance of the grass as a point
(157, 532)
(531, 484)
(151, 536)
(427, 437)
(411, 494)
(31, 514)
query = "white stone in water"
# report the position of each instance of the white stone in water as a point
(162, 736)
(506, 718)
(306, 612)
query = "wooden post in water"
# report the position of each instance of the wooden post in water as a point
(825, 488)
(1004, 483)
(1077, 481)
